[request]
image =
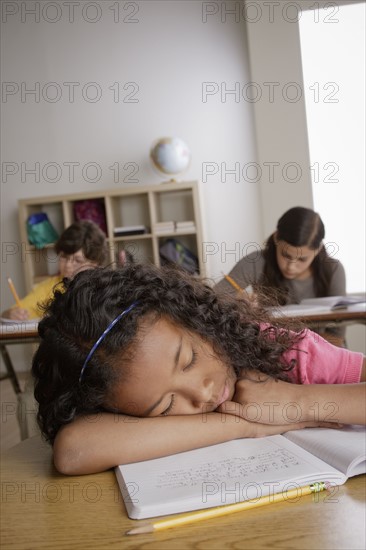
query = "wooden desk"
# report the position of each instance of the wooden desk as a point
(328, 319)
(352, 314)
(11, 334)
(42, 509)
(342, 317)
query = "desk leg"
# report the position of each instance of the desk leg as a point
(9, 369)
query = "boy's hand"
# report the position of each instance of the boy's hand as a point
(18, 314)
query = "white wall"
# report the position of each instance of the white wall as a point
(156, 55)
(276, 71)
(162, 53)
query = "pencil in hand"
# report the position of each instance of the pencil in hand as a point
(233, 283)
(14, 292)
(248, 290)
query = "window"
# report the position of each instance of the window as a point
(333, 56)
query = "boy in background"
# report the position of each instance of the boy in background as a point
(81, 246)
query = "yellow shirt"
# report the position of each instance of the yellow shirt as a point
(41, 293)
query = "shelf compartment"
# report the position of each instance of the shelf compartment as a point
(139, 247)
(130, 210)
(174, 206)
(54, 212)
(188, 241)
(92, 209)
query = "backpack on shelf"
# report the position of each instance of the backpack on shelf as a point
(92, 210)
(174, 251)
(40, 231)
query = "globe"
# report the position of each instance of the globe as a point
(170, 155)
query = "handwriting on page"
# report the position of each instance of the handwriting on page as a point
(239, 467)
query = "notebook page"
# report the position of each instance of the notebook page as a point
(344, 449)
(217, 475)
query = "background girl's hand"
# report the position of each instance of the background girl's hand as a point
(266, 400)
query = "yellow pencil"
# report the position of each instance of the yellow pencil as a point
(14, 292)
(233, 283)
(248, 290)
(193, 517)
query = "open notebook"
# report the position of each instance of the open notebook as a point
(326, 304)
(242, 469)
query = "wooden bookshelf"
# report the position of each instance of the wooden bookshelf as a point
(150, 206)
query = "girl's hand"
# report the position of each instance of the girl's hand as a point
(266, 400)
(256, 429)
(269, 401)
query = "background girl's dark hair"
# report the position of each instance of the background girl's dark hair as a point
(298, 227)
(86, 236)
(80, 312)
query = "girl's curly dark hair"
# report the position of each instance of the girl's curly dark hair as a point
(86, 305)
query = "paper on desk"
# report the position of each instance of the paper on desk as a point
(335, 302)
(11, 326)
(327, 304)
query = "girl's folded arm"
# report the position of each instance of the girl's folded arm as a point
(90, 445)
(94, 444)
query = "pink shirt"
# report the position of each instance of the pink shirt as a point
(319, 362)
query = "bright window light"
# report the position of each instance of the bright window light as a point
(333, 56)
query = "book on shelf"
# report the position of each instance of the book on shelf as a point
(241, 469)
(164, 227)
(173, 226)
(126, 230)
(322, 305)
(186, 225)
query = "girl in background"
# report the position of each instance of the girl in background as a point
(293, 266)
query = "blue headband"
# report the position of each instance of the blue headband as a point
(103, 335)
